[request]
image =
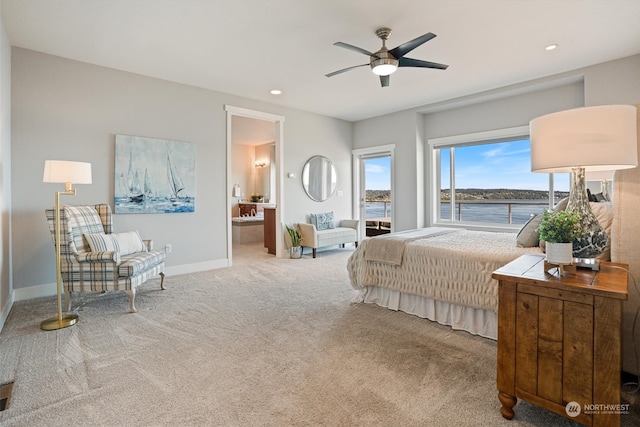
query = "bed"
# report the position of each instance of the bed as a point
(444, 274)
(441, 274)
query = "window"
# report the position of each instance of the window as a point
(485, 179)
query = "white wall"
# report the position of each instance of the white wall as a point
(308, 135)
(263, 154)
(6, 277)
(241, 159)
(402, 130)
(68, 110)
(614, 82)
(505, 112)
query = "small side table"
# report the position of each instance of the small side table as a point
(559, 339)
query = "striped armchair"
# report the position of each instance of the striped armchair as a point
(110, 266)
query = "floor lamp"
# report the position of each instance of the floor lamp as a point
(601, 138)
(69, 173)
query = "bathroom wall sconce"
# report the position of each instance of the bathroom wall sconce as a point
(261, 164)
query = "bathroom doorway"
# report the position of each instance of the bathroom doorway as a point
(254, 171)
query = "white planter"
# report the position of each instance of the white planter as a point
(295, 252)
(560, 253)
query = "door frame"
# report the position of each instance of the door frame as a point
(279, 143)
(359, 155)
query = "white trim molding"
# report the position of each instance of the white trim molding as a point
(358, 155)
(490, 135)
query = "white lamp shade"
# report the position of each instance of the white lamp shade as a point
(598, 138)
(62, 171)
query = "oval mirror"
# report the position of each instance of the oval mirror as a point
(319, 178)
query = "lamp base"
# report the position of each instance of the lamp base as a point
(594, 240)
(53, 323)
(590, 263)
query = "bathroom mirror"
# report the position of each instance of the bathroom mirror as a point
(319, 178)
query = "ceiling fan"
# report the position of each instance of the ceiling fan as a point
(385, 62)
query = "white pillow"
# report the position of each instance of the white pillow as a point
(528, 237)
(125, 243)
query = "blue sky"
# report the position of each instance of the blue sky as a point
(378, 173)
(501, 165)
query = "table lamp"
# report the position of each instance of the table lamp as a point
(601, 138)
(69, 173)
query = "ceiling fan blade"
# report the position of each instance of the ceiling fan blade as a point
(407, 47)
(354, 48)
(410, 62)
(344, 69)
(384, 81)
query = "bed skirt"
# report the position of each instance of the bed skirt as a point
(473, 320)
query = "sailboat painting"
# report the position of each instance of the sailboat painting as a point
(154, 175)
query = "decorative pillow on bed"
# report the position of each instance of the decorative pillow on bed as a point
(562, 205)
(322, 221)
(124, 243)
(528, 237)
(604, 215)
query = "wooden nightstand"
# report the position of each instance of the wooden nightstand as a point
(559, 339)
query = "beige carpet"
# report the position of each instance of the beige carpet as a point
(268, 342)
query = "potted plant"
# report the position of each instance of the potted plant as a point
(295, 251)
(558, 229)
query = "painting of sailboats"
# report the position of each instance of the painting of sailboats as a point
(154, 175)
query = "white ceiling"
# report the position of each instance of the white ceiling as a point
(247, 47)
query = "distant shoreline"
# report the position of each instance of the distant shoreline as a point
(479, 194)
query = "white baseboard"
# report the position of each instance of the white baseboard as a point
(196, 267)
(38, 291)
(6, 308)
(49, 289)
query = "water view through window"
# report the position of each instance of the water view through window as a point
(493, 184)
(378, 188)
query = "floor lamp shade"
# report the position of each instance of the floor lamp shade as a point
(590, 139)
(62, 171)
(69, 173)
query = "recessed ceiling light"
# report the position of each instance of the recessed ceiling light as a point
(551, 47)
(275, 92)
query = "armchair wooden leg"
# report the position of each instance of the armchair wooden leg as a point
(132, 297)
(356, 244)
(162, 282)
(314, 252)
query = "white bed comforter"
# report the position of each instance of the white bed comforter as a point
(455, 267)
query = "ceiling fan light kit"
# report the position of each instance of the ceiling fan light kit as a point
(384, 65)
(385, 62)
(382, 68)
